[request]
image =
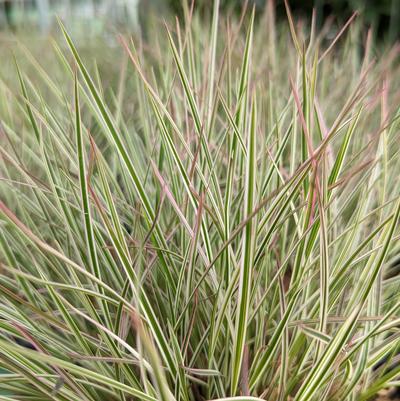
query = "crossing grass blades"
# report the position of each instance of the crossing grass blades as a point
(219, 221)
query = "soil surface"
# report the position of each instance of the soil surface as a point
(388, 395)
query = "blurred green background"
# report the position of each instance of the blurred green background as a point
(95, 16)
(382, 15)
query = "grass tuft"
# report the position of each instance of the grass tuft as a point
(212, 214)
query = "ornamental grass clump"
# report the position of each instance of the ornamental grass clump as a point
(218, 221)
